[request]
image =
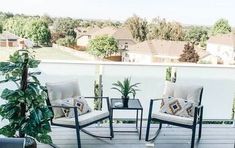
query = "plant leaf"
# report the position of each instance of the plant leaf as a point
(44, 138)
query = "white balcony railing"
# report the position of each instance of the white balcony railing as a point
(218, 81)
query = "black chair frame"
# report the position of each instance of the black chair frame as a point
(80, 127)
(198, 117)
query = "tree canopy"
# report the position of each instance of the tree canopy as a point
(103, 46)
(189, 54)
(221, 27)
(161, 29)
(38, 31)
(17, 25)
(197, 34)
(65, 26)
(138, 27)
(0, 27)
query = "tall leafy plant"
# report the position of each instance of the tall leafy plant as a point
(125, 87)
(25, 107)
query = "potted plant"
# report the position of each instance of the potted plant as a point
(126, 88)
(24, 106)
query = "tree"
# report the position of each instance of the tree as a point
(103, 46)
(4, 16)
(161, 29)
(138, 27)
(47, 19)
(189, 54)
(0, 27)
(38, 31)
(16, 25)
(198, 35)
(65, 26)
(221, 27)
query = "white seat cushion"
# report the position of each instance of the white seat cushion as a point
(83, 119)
(172, 118)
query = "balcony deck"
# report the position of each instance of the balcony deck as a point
(213, 136)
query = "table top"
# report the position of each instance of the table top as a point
(133, 104)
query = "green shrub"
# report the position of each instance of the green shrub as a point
(66, 41)
(103, 46)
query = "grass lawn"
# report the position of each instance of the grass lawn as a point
(41, 54)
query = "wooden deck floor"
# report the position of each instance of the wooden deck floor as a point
(213, 136)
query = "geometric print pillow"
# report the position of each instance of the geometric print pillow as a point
(82, 105)
(79, 102)
(68, 112)
(177, 107)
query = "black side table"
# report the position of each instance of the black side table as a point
(133, 104)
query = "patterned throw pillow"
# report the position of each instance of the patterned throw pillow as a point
(178, 107)
(79, 102)
(68, 112)
(82, 105)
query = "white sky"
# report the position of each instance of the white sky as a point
(204, 12)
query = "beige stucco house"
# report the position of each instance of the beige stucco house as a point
(160, 51)
(122, 35)
(223, 47)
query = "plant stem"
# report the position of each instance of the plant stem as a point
(23, 84)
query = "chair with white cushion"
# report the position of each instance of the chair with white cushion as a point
(57, 92)
(188, 94)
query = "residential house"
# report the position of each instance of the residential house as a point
(8, 39)
(122, 35)
(223, 47)
(156, 51)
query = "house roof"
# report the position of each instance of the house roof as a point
(104, 31)
(224, 39)
(117, 33)
(81, 31)
(162, 48)
(7, 35)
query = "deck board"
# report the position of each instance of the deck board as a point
(213, 136)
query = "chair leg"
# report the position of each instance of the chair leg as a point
(78, 137)
(147, 130)
(200, 124)
(193, 136)
(200, 130)
(111, 127)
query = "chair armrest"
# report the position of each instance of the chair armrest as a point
(198, 113)
(157, 99)
(106, 98)
(96, 97)
(151, 106)
(57, 106)
(199, 106)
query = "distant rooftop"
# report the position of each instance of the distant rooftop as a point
(8, 36)
(224, 39)
(162, 48)
(117, 33)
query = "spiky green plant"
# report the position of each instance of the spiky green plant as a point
(125, 87)
(24, 106)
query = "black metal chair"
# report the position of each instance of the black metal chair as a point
(181, 91)
(61, 90)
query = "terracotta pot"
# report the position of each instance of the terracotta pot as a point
(125, 101)
(30, 143)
